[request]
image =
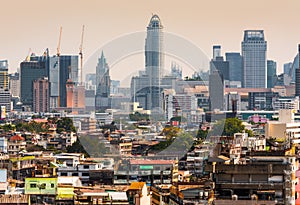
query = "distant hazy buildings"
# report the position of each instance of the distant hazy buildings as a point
(254, 48)
(14, 84)
(41, 100)
(218, 63)
(61, 68)
(103, 84)
(298, 74)
(271, 73)
(235, 61)
(4, 74)
(5, 100)
(216, 90)
(31, 70)
(5, 96)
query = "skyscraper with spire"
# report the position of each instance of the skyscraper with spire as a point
(154, 56)
(102, 84)
(146, 88)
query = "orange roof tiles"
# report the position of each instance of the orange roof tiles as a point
(17, 138)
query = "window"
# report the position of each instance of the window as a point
(43, 186)
(52, 185)
(32, 185)
(86, 166)
(75, 174)
(85, 174)
(64, 174)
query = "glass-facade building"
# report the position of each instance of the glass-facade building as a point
(254, 50)
(271, 73)
(235, 61)
(4, 74)
(35, 68)
(146, 88)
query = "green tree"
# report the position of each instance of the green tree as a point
(228, 127)
(77, 147)
(201, 134)
(170, 132)
(65, 124)
(8, 127)
(139, 117)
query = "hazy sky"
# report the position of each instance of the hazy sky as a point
(35, 24)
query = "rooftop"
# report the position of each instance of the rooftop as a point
(150, 162)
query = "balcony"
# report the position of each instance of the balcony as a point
(156, 172)
(145, 173)
(133, 173)
(120, 181)
(166, 172)
(157, 181)
(120, 173)
(167, 181)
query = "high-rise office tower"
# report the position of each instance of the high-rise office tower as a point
(216, 90)
(32, 69)
(41, 95)
(154, 60)
(103, 84)
(218, 63)
(5, 101)
(235, 61)
(254, 49)
(154, 56)
(61, 68)
(271, 73)
(14, 84)
(146, 88)
(287, 67)
(3, 74)
(102, 77)
(216, 51)
(298, 74)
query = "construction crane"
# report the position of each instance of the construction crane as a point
(59, 40)
(27, 59)
(58, 62)
(81, 54)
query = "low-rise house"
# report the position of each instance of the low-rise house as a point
(99, 196)
(265, 176)
(41, 190)
(146, 170)
(16, 144)
(72, 164)
(138, 194)
(16, 199)
(65, 190)
(191, 193)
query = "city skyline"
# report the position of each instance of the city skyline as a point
(203, 23)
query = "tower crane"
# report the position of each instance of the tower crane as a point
(59, 40)
(81, 54)
(27, 59)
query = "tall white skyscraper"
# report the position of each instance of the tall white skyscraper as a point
(154, 56)
(146, 88)
(254, 50)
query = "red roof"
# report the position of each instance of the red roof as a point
(17, 138)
